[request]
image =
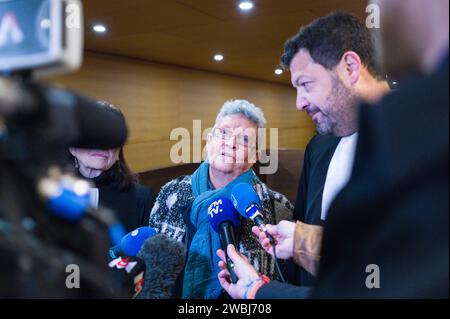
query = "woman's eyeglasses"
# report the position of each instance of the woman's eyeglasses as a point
(226, 133)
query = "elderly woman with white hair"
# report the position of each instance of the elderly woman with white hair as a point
(180, 210)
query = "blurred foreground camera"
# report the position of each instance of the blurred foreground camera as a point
(46, 222)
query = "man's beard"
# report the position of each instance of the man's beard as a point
(341, 120)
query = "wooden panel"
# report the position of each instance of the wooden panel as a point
(285, 179)
(145, 94)
(157, 98)
(294, 138)
(147, 156)
(159, 177)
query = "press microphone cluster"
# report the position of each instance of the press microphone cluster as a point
(129, 273)
(148, 263)
(224, 220)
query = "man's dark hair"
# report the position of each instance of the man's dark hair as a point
(329, 37)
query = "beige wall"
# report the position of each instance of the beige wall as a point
(157, 98)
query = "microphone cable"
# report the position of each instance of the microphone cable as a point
(277, 265)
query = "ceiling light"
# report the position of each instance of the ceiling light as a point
(99, 28)
(218, 57)
(245, 5)
(278, 71)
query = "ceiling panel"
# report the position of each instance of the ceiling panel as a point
(189, 32)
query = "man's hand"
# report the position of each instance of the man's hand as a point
(283, 233)
(245, 272)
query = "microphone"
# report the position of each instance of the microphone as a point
(132, 242)
(128, 274)
(248, 204)
(223, 219)
(68, 198)
(164, 259)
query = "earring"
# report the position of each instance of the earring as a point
(77, 165)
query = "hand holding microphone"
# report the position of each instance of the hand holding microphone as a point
(248, 204)
(248, 278)
(149, 263)
(283, 233)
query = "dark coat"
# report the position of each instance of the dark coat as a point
(394, 212)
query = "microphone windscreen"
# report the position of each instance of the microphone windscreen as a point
(222, 210)
(164, 258)
(132, 242)
(243, 196)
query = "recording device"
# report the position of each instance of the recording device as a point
(248, 204)
(132, 242)
(45, 36)
(41, 208)
(224, 221)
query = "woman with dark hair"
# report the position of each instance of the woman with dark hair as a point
(116, 185)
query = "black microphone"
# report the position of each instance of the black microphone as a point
(248, 204)
(164, 260)
(128, 273)
(223, 219)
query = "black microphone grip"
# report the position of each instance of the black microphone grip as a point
(227, 237)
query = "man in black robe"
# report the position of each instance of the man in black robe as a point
(332, 64)
(387, 235)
